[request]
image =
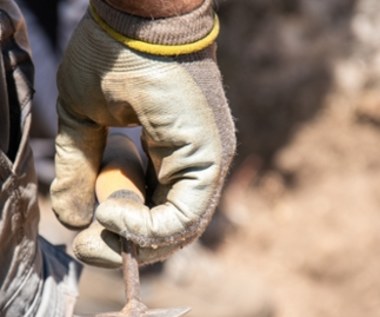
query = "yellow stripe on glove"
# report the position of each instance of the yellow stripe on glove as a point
(159, 49)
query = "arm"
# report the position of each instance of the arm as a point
(155, 8)
(36, 278)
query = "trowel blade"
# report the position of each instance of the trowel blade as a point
(167, 312)
(158, 312)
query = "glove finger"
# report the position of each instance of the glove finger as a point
(99, 247)
(120, 205)
(126, 217)
(79, 147)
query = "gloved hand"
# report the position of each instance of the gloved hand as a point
(121, 175)
(165, 80)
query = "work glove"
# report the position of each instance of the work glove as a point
(121, 70)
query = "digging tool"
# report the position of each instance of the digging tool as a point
(122, 170)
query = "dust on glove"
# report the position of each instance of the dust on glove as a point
(121, 70)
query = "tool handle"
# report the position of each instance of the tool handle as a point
(122, 169)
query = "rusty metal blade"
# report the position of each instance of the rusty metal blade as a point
(167, 312)
(158, 312)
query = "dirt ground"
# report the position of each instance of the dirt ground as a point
(312, 237)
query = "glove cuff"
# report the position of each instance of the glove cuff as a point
(177, 35)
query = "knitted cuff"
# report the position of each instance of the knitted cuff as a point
(172, 31)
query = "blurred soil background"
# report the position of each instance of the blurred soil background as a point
(297, 232)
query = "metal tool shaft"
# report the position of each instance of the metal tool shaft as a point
(131, 280)
(122, 157)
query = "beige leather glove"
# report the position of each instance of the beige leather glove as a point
(122, 70)
(121, 175)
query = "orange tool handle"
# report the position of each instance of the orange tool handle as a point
(121, 169)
